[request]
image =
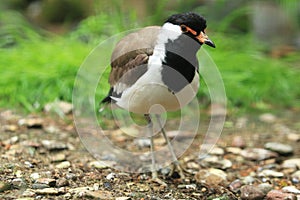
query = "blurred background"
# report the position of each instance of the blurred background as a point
(44, 42)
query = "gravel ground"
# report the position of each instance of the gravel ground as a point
(42, 157)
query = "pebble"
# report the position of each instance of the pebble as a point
(10, 141)
(47, 191)
(123, 198)
(290, 189)
(211, 176)
(142, 142)
(10, 127)
(47, 181)
(53, 145)
(63, 165)
(235, 185)
(250, 192)
(267, 118)
(62, 182)
(59, 107)
(189, 186)
(248, 180)
(265, 187)
(111, 176)
(296, 175)
(34, 175)
(58, 157)
(258, 154)
(280, 148)
(293, 163)
(238, 141)
(31, 122)
(39, 186)
(216, 162)
(217, 151)
(293, 137)
(18, 183)
(270, 173)
(28, 193)
(4, 186)
(233, 150)
(98, 164)
(279, 195)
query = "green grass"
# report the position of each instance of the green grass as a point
(40, 69)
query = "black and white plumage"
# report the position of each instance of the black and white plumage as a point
(158, 66)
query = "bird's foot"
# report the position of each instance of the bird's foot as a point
(175, 167)
(158, 180)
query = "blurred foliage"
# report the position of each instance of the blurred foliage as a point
(39, 67)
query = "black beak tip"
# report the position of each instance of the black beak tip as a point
(210, 43)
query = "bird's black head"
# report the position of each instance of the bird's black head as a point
(193, 25)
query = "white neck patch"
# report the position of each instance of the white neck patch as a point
(168, 32)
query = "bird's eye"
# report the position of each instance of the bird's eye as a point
(183, 28)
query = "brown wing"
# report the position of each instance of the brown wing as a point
(130, 52)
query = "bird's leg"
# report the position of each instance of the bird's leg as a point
(174, 158)
(153, 165)
(150, 133)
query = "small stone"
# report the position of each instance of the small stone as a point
(142, 142)
(280, 148)
(31, 122)
(267, 118)
(290, 189)
(62, 182)
(18, 183)
(59, 107)
(238, 141)
(248, 180)
(52, 129)
(241, 122)
(123, 198)
(47, 191)
(211, 177)
(98, 164)
(71, 176)
(295, 137)
(10, 128)
(250, 192)
(258, 154)
(53, 145)
(279, 195)
(48, 181)
(111, 176)
(97, 194)
(4, 186)
(58, 157)
(235, 185)
(192, 165)
(63, 165)
(270, 173)
(233, 150)
(217, 151)
(293, 163)
(28, 193)
(265, 187)
(34, 175)
(189, 186)
(296, 175)
(39, 186)
(10, 141)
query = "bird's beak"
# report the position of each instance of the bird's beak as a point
(203, 38)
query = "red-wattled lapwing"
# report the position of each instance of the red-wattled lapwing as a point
(158, 66)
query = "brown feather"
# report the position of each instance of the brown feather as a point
(130, 52)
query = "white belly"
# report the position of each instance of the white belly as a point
(146, 94)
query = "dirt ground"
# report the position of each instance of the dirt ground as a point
(42, 157)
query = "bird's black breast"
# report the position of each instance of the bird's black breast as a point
(180, 64)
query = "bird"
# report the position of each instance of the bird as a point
(156, 70)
